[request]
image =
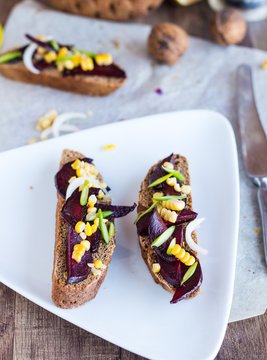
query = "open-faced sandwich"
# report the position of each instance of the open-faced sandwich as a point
(85, 231)
(46, 62)
(165, 225)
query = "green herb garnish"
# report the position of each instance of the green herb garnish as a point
(103, 227)
(111, 230)
(87, 53)
(146, 212)
(174, 173)
(160, 180)
(7, 57)
(54, 45)
(163, 237)
(163, 198)
(189, 272)
(171, 246)
(91, 217)
(84, 193)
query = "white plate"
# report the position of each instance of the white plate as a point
(130, 310)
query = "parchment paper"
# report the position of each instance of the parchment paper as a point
(204, 78)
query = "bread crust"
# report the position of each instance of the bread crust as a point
(144, 201)
(86, 85)
(107, 9)
(65, 295)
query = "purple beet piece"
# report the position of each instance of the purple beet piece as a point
(186, 215)
(108, 71)
(117, 211)
(159, 91)
(43, 65)
(72, 211)
(158, 172)
(95, 240)
(76, 271)
(156, 226)
(191, 285)
(43, 44)
(171, 272)
(64, 174)
(143, 223)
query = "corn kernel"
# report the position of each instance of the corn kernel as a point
(168, 165)
(50, 56)
(86, 244)
(103, 185)
(88, 229)
(91, 210)
(76, 247)
(87, 64)
(79, 227)
(100, 194)
(47, 120)
(62, 52)
(77, 59)
(76, 164)
(177, 187)
(264, 65)
(68, 64)
(103, 59)
(60, 67)
(80, 172)
(40, 50)
(190, 261)
(186, 189)
(83, 235)
(156, 267)
(76, 257)
(32, 141)
(92, 200)
(175, 249)
(180, 205)
(98, 264)
(171, 181)
(108, 147)
(157, 195)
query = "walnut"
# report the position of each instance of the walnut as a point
(228, 27)
(167, 42)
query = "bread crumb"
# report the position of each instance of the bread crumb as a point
(116, 44)
(31, 187)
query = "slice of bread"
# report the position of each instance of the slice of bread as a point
(107, 9)
(86, 85)
(144, 202)
(65, 295)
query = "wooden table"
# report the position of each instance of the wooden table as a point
(28, 332)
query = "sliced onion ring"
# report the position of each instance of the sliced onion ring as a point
(64, 127)
(78, 182)
(188, 236)
(28, 55)
(56, 127)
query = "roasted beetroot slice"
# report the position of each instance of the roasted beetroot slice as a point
(77, 272)
(186, 215)
(171, 272)
(117, 211)
(143, 223)
(95, 240)
(156, 226)
(64, 174)
(43, 65)
(107, 70)
(158, 172)
(43, 44)
(72, 211)
(191, 285)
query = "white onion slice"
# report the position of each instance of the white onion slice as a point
(78, 182)
(28, 55)
(64, 127)
(63, 118)
(188, 236)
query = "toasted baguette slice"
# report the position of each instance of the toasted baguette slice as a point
(144, 202)
(65, 295)
(86, 85)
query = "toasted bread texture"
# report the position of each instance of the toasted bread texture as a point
(118, 10)
(86, 85)
(65, 295)
(145, 201)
